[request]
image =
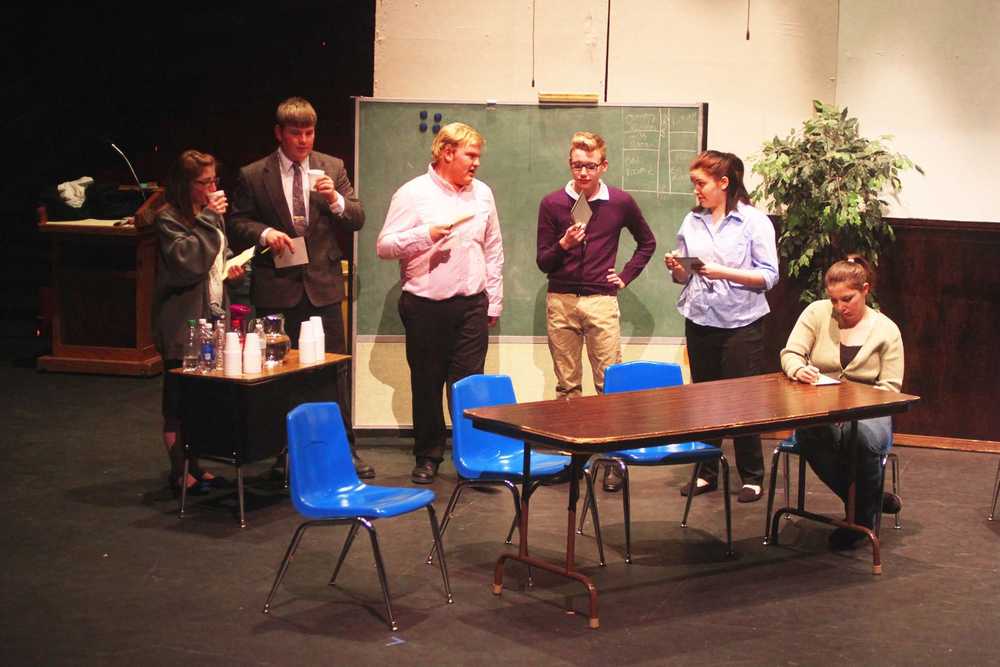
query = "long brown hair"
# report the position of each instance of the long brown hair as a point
(718, 165)
(188, 167)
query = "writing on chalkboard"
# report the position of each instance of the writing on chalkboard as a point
(658, 146)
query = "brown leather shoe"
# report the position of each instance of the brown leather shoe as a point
(749, 495)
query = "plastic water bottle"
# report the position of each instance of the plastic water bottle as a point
(206, 357)
(191, 349)
(220, 343)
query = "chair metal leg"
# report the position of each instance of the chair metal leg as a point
(592, 498)
(588, 473)
(801, 503)
(289, 553)
(770, 493)
(996, 493)
(626, 505)
(727, 502)
(691, 488)
(184, 486)
(449, 510)
(788, 482)
(240, 495)
(380, 568)
(881, 495)
(440, 549)
(897, 483)
(343, 552)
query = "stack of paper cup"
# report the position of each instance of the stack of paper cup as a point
(251, 353)
(320, 341)
(307, 353)
(232, 357)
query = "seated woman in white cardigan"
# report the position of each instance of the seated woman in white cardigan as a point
(844, 338)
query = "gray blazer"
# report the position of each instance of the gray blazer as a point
(259, 202)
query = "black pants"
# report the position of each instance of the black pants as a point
(445, 342)
(333, 330)
(719, 354)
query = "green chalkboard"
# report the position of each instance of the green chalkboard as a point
(527, 146)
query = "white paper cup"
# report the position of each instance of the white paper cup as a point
(314, 175)
(306, 355)
(251, 353)
(317, 323)
(319, 351)
(233, 341)
(232, 362)
(216, 194)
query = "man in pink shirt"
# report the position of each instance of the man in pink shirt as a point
(444, 230)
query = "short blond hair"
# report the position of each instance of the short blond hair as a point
(295, 112)
(455, 134)
(589, 142)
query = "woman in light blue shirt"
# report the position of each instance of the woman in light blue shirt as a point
(723, 301)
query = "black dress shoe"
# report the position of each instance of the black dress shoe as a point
(424, 471)
(891, 504)
(698, 490)
(612, 479)
(364, 470)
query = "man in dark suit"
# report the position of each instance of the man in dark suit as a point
(274, 202)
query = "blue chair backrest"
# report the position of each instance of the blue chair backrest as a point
(319, 455)
(638, 375)
(471, 448)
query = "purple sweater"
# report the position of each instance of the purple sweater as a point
(583, 270)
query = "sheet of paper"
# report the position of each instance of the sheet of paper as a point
(690, 264)
(300, 256)
(240, 259)
(825, 379)
(581, 211)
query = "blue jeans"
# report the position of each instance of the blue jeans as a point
(826, 449)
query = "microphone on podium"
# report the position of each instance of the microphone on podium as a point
(142, 191)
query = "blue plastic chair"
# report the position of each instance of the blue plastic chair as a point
(636, 376)
(325, 489)
(790, 446)
(489, 459)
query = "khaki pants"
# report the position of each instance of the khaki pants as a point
(574, 320)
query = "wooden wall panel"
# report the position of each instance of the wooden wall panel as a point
(940, 282)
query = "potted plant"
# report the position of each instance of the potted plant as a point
(828, 184)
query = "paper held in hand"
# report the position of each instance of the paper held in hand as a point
(690, 264)
(240, 259)
(581, 211)
(300, 256)
(825, 379)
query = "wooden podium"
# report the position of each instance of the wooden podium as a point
(103, 274)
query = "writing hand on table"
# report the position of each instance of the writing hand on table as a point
(615, 280)
(807, 374)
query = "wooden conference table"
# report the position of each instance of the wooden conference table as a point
(726, 408)
(241, 419)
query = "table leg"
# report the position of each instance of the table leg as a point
(568, 570)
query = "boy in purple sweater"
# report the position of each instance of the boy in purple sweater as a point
(577, 248)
